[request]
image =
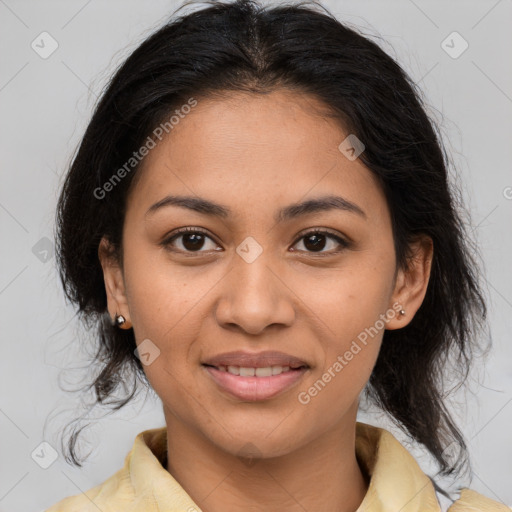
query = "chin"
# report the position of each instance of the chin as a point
(255, 439)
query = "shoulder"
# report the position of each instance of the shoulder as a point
(132, 482)
(472, 501)
(395, 477)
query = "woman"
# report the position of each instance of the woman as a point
(260, 222)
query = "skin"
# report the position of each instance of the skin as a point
(256, 154)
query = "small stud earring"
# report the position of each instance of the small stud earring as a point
(402, 312)
(120, 320)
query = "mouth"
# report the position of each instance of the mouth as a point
(265, 371)
(255, 377)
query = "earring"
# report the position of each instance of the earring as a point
(120, 320)
(402, 312)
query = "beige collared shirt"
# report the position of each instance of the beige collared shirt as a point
(396, 481)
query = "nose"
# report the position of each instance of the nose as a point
(254, 297)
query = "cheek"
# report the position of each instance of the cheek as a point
(168, 306)
(353, 308)
(352, 300)
(162, 297)
(349, 353)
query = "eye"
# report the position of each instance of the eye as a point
(317, 240)
(189, 240)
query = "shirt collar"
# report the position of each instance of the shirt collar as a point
(396, 480)
(151, 481)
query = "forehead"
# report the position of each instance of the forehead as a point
(255, 150)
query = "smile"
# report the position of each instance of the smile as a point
(255, 384)
(267, 371)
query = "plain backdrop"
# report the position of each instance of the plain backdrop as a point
(45, 106)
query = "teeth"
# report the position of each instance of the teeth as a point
(268, 371)
(264, 372)
(235, 370)
(247, 372)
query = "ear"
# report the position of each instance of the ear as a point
(411, 283)
(117, 302)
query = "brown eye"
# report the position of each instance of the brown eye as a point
(190, 240)
(317, 241)
(193, 241)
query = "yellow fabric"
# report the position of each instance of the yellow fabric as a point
(471, 501)
(396, 481)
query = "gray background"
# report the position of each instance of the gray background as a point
(45, 105)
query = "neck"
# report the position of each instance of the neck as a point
(322, 475)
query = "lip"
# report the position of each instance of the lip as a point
(255, 359)
(255, 388)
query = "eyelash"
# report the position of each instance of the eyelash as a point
(342, 242)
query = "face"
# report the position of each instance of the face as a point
(241, 276)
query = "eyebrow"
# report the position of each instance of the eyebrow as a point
(206, 207)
